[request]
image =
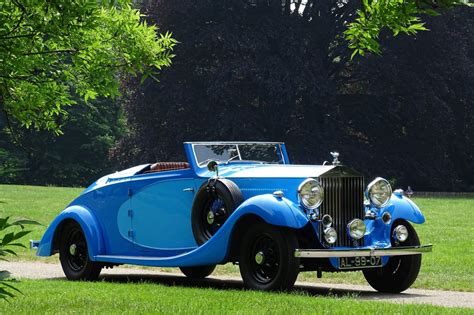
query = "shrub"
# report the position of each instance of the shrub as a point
(8, 240)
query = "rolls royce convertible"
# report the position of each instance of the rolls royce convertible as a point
(241, 203)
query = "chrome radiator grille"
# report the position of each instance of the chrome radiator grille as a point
(343, 201)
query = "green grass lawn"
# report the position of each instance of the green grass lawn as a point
(448, 226)
(59, 296)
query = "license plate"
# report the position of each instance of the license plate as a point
(359, 262)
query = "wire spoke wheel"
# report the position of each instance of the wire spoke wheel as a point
(74, 255)
(267, 260)
(77, 255)
(213, 205)
(213, 216)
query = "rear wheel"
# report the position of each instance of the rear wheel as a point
(267, 260)
(198, 272)
(74, 255)
(401, 271)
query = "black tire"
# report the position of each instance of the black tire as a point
(221, 197)
(276, 267)
(74, 256)
(198, 272)
(401, 271)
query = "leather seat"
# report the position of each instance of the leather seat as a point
(167, 166)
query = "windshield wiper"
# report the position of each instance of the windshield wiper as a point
(232, 158)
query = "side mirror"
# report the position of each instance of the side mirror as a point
(213, 166)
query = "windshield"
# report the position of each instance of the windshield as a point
(228, 153)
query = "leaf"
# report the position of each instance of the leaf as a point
(17, 244)
(18, 235)
(354, 53)
(9, 251)
(3, 223)
(4, 293)
(417, 27)
(23, 222)
(432, 12)
(11, 287)
(7, 238)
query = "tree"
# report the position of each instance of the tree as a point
(402, 16)
(255, 73)
(75, 158)
(53, 50)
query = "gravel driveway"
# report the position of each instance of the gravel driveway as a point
(38, 270)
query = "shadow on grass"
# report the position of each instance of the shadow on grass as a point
(232, 284)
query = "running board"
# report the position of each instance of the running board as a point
(133, 260)
(364, 252)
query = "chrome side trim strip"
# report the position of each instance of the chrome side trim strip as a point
(392, 251)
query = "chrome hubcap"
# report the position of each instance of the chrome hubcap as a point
(210, 217)
(259, 258)
(73, 249)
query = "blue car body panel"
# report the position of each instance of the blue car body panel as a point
(144, 218)
(89, 224)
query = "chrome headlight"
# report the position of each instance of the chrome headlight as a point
(400, 233)
(310, 193)
(326, 220)
(330, 235)
(356, 229)
(379, 192)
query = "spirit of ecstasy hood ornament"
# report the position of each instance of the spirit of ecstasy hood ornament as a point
(336, 161)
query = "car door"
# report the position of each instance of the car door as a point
(161, 212)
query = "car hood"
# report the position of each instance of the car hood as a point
(271, 171)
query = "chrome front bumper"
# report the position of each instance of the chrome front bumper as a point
(373, 252)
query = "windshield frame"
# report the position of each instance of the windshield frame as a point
(281, 147)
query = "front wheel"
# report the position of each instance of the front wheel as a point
(267, 258)
(74, 255)
(198, 272)
(401, 271)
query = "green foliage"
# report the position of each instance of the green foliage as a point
(76, 158)
(52, 50)
(9, 239)
(399, 16)
(11, 164)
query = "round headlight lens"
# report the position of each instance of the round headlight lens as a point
(400, 233)
(356, 229)
(310, 193)
(326, 220)
(379, 192)
(330, 235)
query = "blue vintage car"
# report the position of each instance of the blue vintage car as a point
(245, 203)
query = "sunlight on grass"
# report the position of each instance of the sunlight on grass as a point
(56, 296)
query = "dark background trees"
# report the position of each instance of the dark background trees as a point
(252, 71)
(257, 70)
(73, 159)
